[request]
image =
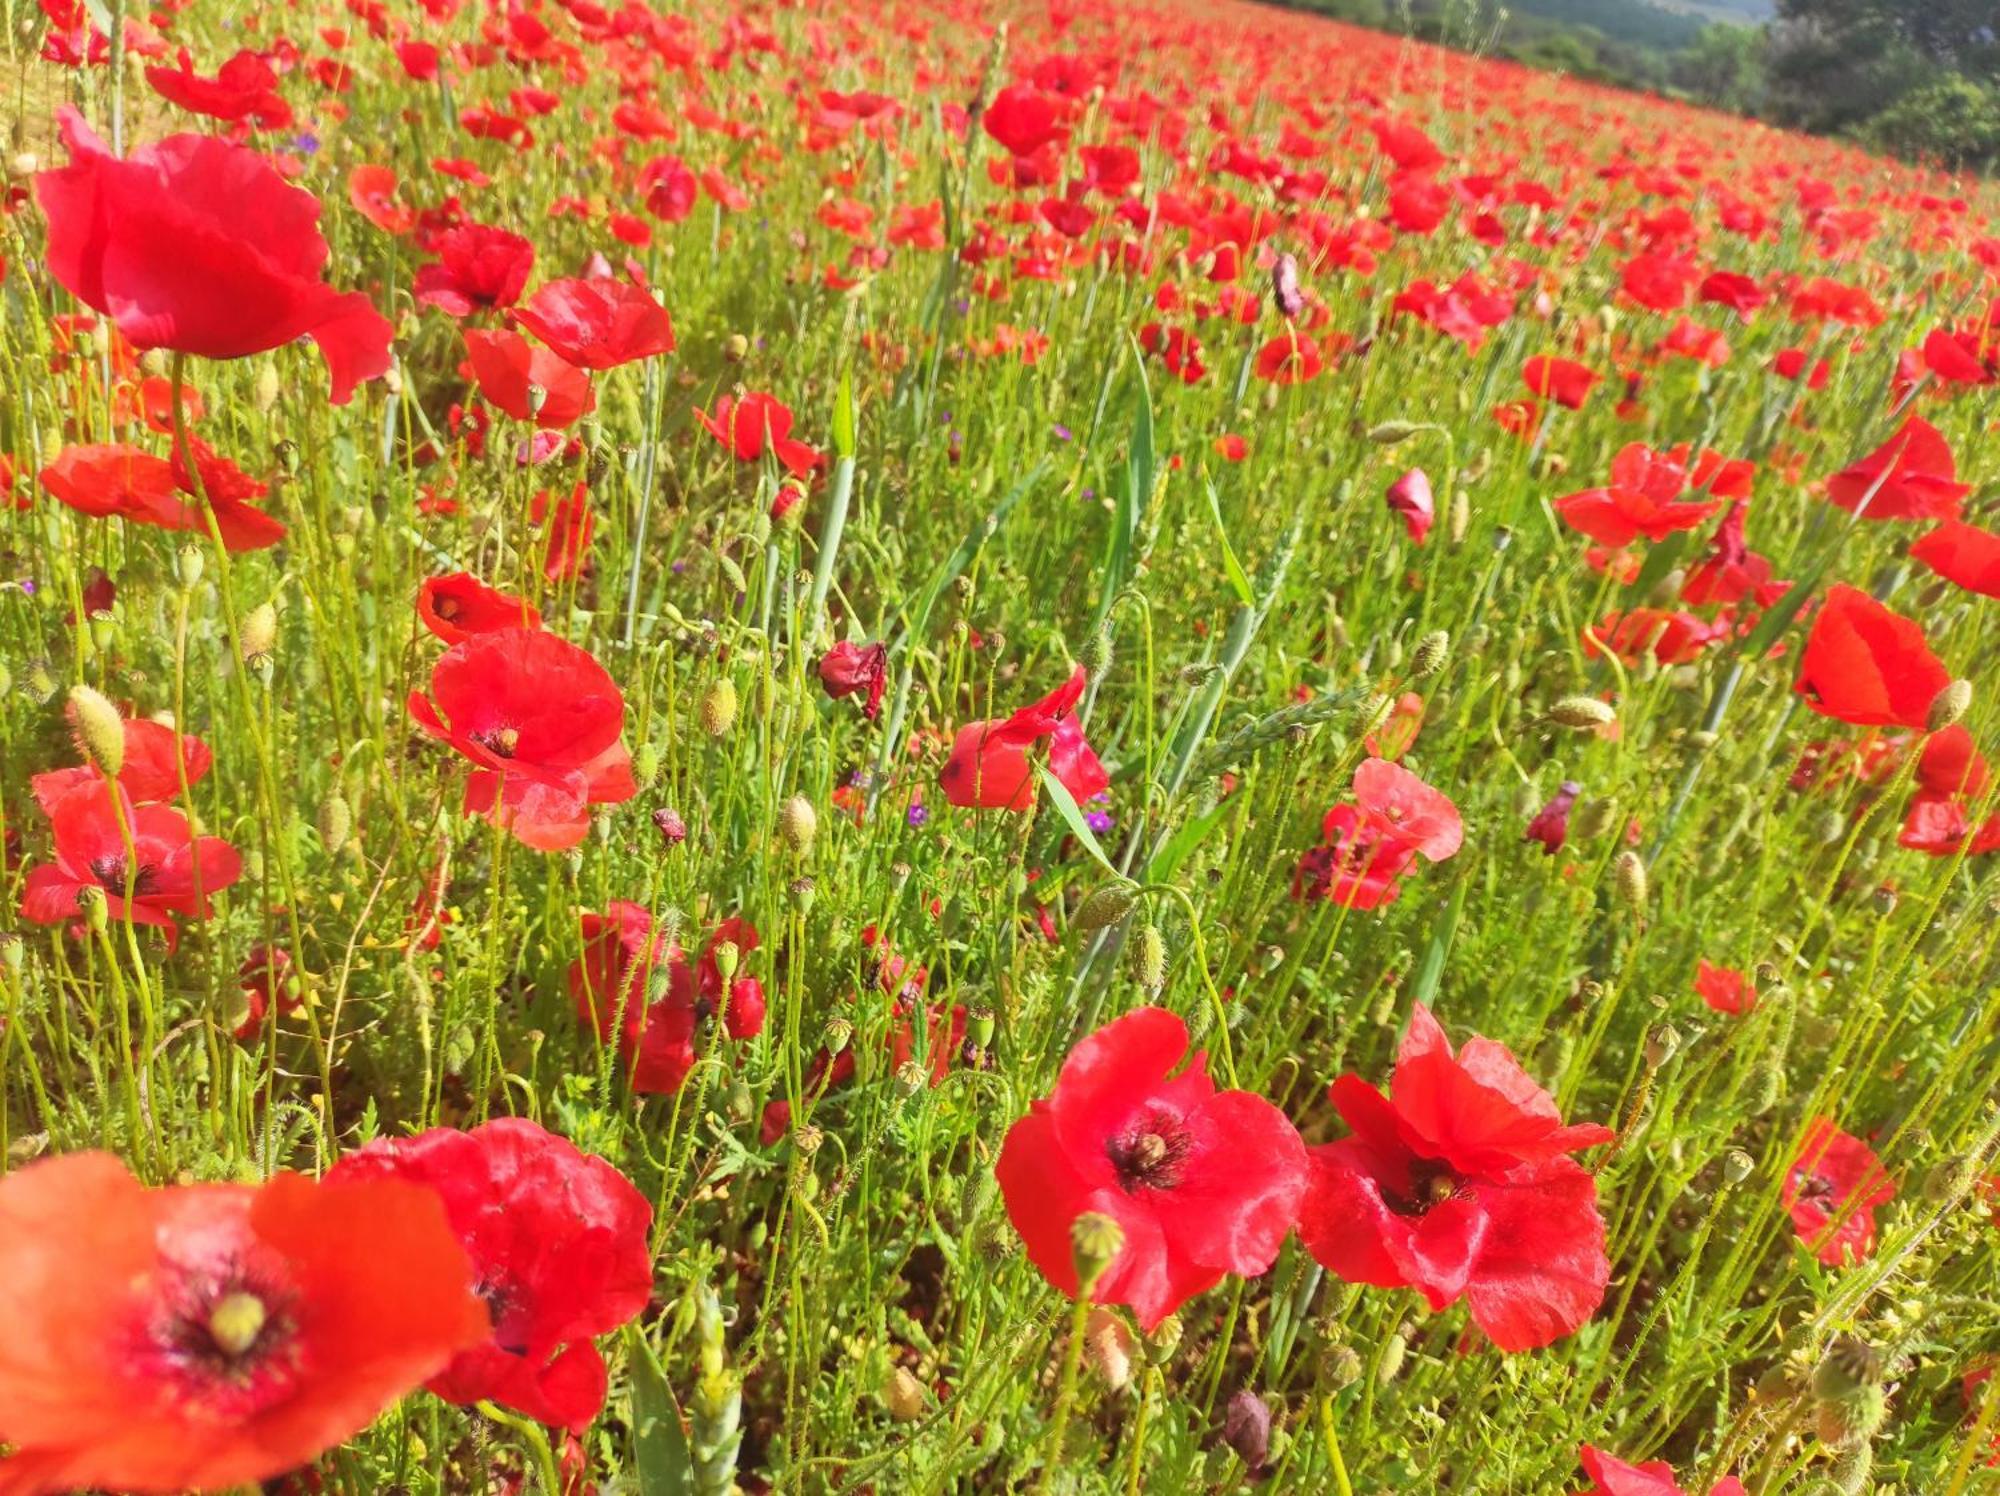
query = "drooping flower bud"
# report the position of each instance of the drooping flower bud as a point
(1583, 713)
(1432, 653)
(258, 633)
(1550, 825)
(1286, 294)
(1103, 906)
(100, 731)
(1246, 1429)
(1628, 875)
(718, 708)
(336, 822)
(798, 824)
(673, 830)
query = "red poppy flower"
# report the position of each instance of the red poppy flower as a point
(1359, 863)
(754, 423)
(1422, 817)
(541, 720)
(1643, 499)
(1658, 282)
(1458, 1184)
(598, 324)
(1023, 119)
(1964, 554)
(1672, 636)
(155, 762)
(1731, 571)
(477, 267)
(658, 1020)
(989, 769)
(558, 1244)
(1410, 497)
(200, 246)
(1203, 1182)
(459, 605)
(1868, 665)
(849, 668)
(132, 484)
(1910, 476)
(1740, 293)
(167, 871)
(528, 383)
(1290, 358)
(1956, 358)
(215, 1335)
(1832, 1190)
(1724, 988)
(1550, 824)
(372, 192)
(1614, 1477)
(569, 524)
(243, 88)
(1562, 380)
(1950, 763)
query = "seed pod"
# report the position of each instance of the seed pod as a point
(1389, 1365)
(1164, 1341)
(1433, 652)
(1737, 1166)
(1339, 1366)
(1663, 1042)
(1628, 875)
(1583, 713)
(1149, 958)
(336, 821)
(100, 731)
(258, 633)
(833, 1038)
(798, 824)
(1095, 1241)
(800, 891)
(910, 1078)
(725, 954)
(1949, 705)
(1103, 907)
(904, 1396)
(718, 708)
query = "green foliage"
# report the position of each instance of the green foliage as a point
(1952, 120)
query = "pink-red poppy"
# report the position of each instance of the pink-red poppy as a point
(989, 767)
(528, 383)
(598, 323)
(1964, 554)
(752, 424)
(1562, 380)
(1614, 1477)
(456, 606)
(1724, 988)
(849, 669)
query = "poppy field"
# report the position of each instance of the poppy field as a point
(1100, 746)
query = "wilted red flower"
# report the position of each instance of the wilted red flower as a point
(1410, 497)
(457, 606)
(598, 324)
(1562, 380)
(989, 769)
(1964, 554)
(1723, 988)
(477, 267)
(1203, 1182)
(156, 760)
(1867, 664)
(752, 424)
(214, 1335)
(1458, 1184)
(849, 668)
(541, 720)
(558, 1244)
(1671, 636)
(200, 246)
(528, 383)
(1614, 1477)
(1910, 476)
(1832, 1190)
(167, 871)
(1550, 824)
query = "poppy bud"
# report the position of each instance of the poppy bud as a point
(1663, 1042)
(1849, 1365)
(798, 824)
(13, 952)
(1390, 1365)
(673, 830)
(833, 1038)
(1095, 1241)
(100, 732)
(977, 1194)
(979, 1027)
(1458, 519)
(1164, 1341)
(96, 913)
(1949, 705)
(1108, 1344)
(1104, 906)
(1737, 1166)
(1584, 713)
(1848, 1421)
(1432, 653)
(1246, 1429)
(718, 708)
(903, 1396)
(258, 633)
(336, 820)
(1339, 1366)
(267, 388)
(1628, 875)
(801, 892)
(188, 565)
(1285, 293)
(735, 348)
(1149, 958)
(645, 765)
(1096, 657)
(1388, 433)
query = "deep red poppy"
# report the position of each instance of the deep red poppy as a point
(1023, 119)
(1614, 1477)
(477, 267)
(1832, 1190)
(527, 382)
(457, 606)
(540, 718)
(1550, 824)
(1950, 763)
(213, 1335)
(635, 981)
(598, 324)
(751, 424)
(1562, 380)
(848, 669)
(1203, 1182)
(1912, 475)
(167, 871)
(132, 484)
(1964, 554)
(200, 246)
(988, 768)
(1642, 499)
(1290, 358)
(1458, 1184)
(1868, 665)
(1724, 988)
(558, 1244)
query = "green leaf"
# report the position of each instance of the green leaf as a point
(660, 1458)
(1066, 807)
(1239, 579)
(843, 417)
(1431, 972)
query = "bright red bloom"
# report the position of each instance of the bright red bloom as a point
(1836, 1178)
(1731, 571)
(1643, 499)
(477, 267)
(1957, 358)
(528, 383)
(1671, 636)
(459, 605)
(243, 88)
(1868, 665)
(372, 192)
(1421, 817)
(754, 423)
(1950, 763)
(132, 484)
(1290, 358)
(1367, 846)
(215, 1335)
(849, 668)
(559, 1251)
(200, 246)
(1023, 119)
(598, 324)
(1910, 476)
(613, 986)
(169, 870)
(1410, 497)
(541, 720)
(1964, 554)
(156, 759)
(1562, 380)
(1458, 1184)
(989, 769)
(1203, 1182)
(1740, 293)
(1724, 988)
(1614, 1477)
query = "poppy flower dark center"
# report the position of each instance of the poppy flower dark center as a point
(448, 608)
(1817, 1187)
(109, 871)
(1151, 1155)
(499, 741)
(229, 1340)
(1432, 1182)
